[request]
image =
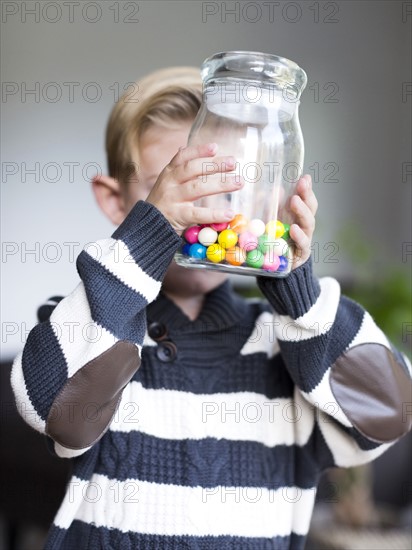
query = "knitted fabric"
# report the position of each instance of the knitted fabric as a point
(220, 448)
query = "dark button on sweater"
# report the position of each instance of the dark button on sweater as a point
(166, 351)
(157, 331)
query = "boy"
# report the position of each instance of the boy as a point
(194, 418)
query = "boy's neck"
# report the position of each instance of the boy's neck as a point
(190, 305)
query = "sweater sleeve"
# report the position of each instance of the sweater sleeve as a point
(342, 365)
(69, 378)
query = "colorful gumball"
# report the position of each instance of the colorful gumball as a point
(227, 238)
(280, 229)
(207, 236)
(280, 247)
(185, 249)
(256, 226)
(197, 251)
(264, 243)
(283, 263)
(235, 256)
(215, 253)
(275, 229)
(192, 233)
(219, 226)
(248, 241)
(239, 223)
(270, 228)
(271, 262)
(255, 258)
(286, 233)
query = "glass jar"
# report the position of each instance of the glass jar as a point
(250, 109)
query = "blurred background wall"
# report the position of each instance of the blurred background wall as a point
(64, 65)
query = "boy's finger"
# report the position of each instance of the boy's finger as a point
(303, 215)
(210, 185)
(299, 237)
(302, 245)
(202, 168)
(202, 215)
(304, 190)
(190, 152)
(311, 201)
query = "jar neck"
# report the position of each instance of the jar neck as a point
(256, 68)
(225, 96)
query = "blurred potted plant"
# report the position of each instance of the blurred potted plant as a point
(384, 289)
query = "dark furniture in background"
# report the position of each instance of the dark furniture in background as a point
(32, 480)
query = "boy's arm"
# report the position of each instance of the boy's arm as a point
(73, 368)
(70, 375)
(342, 363)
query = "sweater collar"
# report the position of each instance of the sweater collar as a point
(222, 309)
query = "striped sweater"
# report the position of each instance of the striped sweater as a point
(205, 434)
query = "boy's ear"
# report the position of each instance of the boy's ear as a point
(109, 197)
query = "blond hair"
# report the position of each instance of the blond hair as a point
(162, 98)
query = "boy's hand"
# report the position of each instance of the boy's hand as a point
(188, 177)
(303, 205)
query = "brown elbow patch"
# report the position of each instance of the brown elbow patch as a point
(374, 391)
(86, 404)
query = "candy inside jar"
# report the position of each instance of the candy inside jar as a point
(241, 246)
(250, 110)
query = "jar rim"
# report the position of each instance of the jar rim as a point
(255, 66)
